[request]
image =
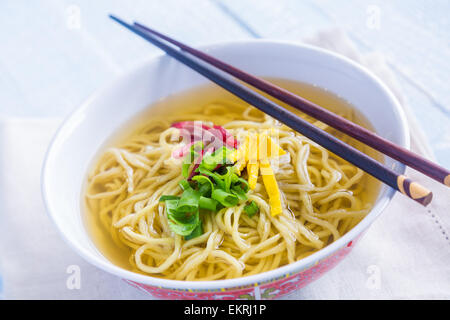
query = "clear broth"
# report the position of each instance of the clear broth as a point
(187, 103)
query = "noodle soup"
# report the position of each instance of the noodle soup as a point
(274, 211)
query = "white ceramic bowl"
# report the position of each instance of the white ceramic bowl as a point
(83, 133)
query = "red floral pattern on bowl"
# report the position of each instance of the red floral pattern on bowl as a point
(272, 289)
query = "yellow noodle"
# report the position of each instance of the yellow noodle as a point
(320, 195)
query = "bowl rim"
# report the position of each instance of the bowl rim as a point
(241, 282)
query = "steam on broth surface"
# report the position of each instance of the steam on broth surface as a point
(150, 211)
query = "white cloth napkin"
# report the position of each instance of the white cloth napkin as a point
(404, 255)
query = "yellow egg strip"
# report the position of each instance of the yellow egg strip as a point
(271, 185)
(274, 149)
(263, 152)
(255, 153)
(252, 148)
(252, 170)
(241, 157)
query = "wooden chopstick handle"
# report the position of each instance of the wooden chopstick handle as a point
(413, 160)
(414, 190)
(285, 116)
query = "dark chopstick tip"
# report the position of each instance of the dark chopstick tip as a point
(117, 19)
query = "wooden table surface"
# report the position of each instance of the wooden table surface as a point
(54, 53)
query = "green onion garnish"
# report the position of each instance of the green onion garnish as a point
(225, 198)
(184, 184)
(205, 190)
(228, 177)
(185, 169)
(242, 183)
(189, 201)
(205, 185)
(216, 177)
(212, 160)
(190, 157)
(180, 222)
(215, 187)
(207, 204)
(251, 209)
(198, 231)
(168, 197)
(239, 192)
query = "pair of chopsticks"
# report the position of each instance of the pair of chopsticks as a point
(196, 59)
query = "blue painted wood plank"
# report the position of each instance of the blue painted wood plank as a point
(55, 53)
(413, 35)
(44, 40)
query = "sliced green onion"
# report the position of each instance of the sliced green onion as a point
(212, 160)
(251, 209)
(185, 226)
(180, 222)
(206, 186)
(198, 231)
(209, 162)
(171, 206)
(219, 207)
(205, 190)
(207, 204)
(227, 177)
(229, 171)
(228, 183)
(185, 169)
(242, 183)
(239, 192)
(184, 184)
(225, 198)
(168, 197)
(217, 179)
(209, 191)
(190, 157)
(189, 201)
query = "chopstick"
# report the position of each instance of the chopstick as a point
(398, 182)
(407, 157)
